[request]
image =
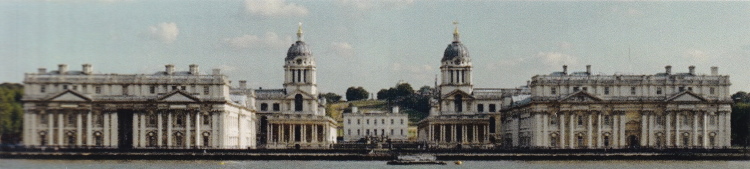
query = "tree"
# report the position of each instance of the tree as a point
(358, 93)
(11, 112)
(331, 97)
(740, 118)
(417, 105)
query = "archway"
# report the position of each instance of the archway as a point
(633, 142)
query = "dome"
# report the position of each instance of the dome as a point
(297, 49)
(455, 50)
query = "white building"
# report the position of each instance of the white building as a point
(168, 109)
(391, 125)
(294, 117)
(583, 110)
(463, 116)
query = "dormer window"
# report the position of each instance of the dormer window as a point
(299, 61)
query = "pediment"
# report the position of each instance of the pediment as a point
(178, 96)
(581, 96)
(458, 92)
(686, 96)
(69, 96)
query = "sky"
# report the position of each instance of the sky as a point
(375, 44)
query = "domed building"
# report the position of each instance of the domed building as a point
(462, 116)
(294, 117)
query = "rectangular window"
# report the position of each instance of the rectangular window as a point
(375, 132)
(580, 120)
(65, 87)
(382, 121)
(402, 121)
(174, 87)
(553, 121)
(690, 89)
(392, 121)
(575, 89)
(43, 88)
(183, 88)
(349, 131)
(206, 119)
(276, 107)
(98, 89)
(585, 89)
(205, 90)
(480, 107)
(712, 90)
(682, 89)
(368, 121)
(357, 121)
(606, 90)
(124, 89)
(348, 121)
(152, 89)
(632, 90)
(75, 87)
(553, 90)
(402, 132)
(492, 108)
(658, 90)
(392, 132)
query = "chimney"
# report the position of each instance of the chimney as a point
(714, 70)
(669, 69)
(565, 69)
(216, 72)
(169, 69)
(243, 84)
(692, 69)
(42, 70)
(194, 69)
(354, 109)
(87, 69)
(62, 68)
(588, 69)
(394, 110)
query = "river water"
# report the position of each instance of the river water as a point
(178, 164)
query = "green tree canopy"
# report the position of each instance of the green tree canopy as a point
(331, 97)
(356, 93)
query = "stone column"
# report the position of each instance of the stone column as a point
(115, 141)
(705, 133)
(668, 130)
(89, 141)
(475, 135)
(159, 132)
(50, 131)
(136, 128)
(651, 140)
(442, 133)
(464, 133)
(106, 134)
(695, 129)
(589, 129)
(198, 134)
(599, 132)
(142, 121)
(79, 129)
(677, 133)
(571, 135)
(169, 129)
(431, 133)
(728, 129)
(561, 124)
(60, 127)
(622, 135)
(545, 130)
(644, 128)
(187, 130)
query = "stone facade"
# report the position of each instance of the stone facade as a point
(294, 117)
(389, 125)
(167, 109)
(582, 110)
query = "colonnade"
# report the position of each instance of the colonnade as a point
(298, 133)
(458, 133)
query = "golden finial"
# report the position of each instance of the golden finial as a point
(299, 32)
(455, 31)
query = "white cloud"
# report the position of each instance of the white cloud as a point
(343, 49)
(164, 32)
(269, 40)
(373, 4)
(556, 58)
(696, 55)
(274, 8)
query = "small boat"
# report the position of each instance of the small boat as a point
(416, 160)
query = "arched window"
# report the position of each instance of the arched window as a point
(206, 139)
(151, 139)
(178, 139)
(298, 102)
(263, 107)
(98, 137)
(42, 138)
(71, 139)
(457, 103)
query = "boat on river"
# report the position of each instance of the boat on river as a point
(421, 159)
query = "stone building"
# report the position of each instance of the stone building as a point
(462, 116)
(583, 110)
(168, 109)
(388, 125)
(294, 116)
